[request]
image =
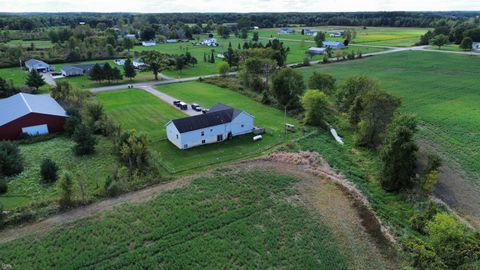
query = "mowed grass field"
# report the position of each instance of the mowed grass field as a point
(441, 90)
(139, 109)
(231, 220)
(142, 111)
(385, 36)
(27, 188)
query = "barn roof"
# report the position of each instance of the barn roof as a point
(218, 114)
(21, 104)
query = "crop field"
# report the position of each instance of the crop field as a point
(26, 188)
(39, 44)
(231, 220)
(149, 114)
(139, 109)
(441, 91)
(385, 36)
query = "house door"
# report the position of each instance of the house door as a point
(220, 138)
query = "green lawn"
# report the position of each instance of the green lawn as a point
(145, 112)
(26, 188)
(139, 109)
(235, 220)
(442, 90)
(38, 44)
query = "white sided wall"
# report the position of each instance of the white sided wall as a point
(242, 124)
(173, 135)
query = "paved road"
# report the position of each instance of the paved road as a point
(168, 99)
(47, 77)
(153, 83)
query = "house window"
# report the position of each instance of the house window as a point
(203, 133)
(211, 130)
(242, 126)
(219, 137)
(203, 141)
(177, 136)
(185, 146)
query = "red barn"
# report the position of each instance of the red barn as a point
(30, 114)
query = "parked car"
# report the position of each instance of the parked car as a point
(195, 106)
(204, 111)
(176, 103)
(183, 106)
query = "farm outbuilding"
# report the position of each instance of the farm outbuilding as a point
(316, 51)
(30, 114)
(220, 123)
(39, 66)
(333, 44)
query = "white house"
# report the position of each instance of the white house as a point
(149, 43)
(219, 124)
(130, 36)
(210, 42)
(476, 46)
(138, 63)
(171, 41)
(120, 62)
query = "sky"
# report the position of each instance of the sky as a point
(165, 6)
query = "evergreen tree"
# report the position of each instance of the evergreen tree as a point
(212, 57)
(96, 74)
(129, 69)
(116, 74)
(107, 72)
(319, 39)
(35, 80)
(255, 36)
(6, 90)
(65, 189)
(84, 139)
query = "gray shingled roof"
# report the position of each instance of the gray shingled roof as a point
(36, 63)
(21, 104)
(218, 114)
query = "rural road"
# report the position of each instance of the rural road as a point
(47, 77)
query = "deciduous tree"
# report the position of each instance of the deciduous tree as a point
(322, 81)
(399, 154)
(316, 108)
(288, 86)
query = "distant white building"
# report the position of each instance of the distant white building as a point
(138, 63)
(149, 43)
(120, 62)
(130, 36)
(286, 31)
(316, 51)
(476, 46)
(333, 44)
(256, 28)
(39, 66)
(171, 41)
(309, 32)
(219, 124)
(210, 42)
(336, 34)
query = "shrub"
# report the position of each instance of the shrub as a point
(65, 189)
(11, 160)
(132, 149)
(424, 256)
(111, 187)
(72, 121)
(223, 69)
(49, 171)
(2, 217)
(429, 181)
(420, 219)
(3, 186)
